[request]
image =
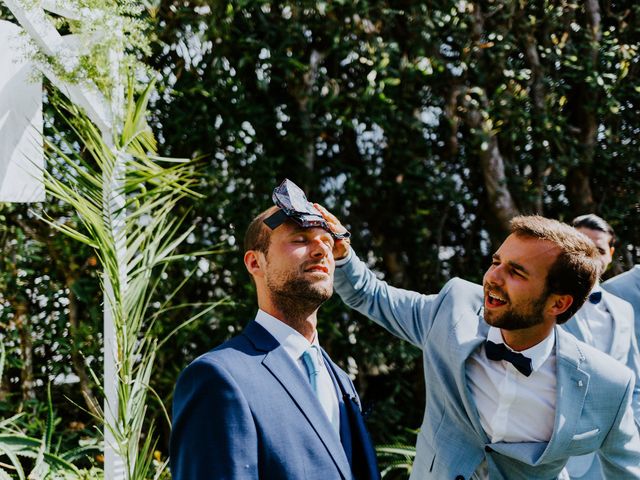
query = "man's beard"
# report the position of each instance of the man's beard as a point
(512, 320)
(297, 297)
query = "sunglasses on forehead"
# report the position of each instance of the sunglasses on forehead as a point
(294, 206)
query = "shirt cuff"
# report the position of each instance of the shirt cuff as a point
(344, 260)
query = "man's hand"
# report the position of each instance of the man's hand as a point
(340, 247)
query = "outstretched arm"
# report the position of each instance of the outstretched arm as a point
(406, 314)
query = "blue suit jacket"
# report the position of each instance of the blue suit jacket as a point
(593, 403)
(623, 348)
(627, 287)
(245, 411)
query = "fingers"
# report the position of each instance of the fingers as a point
(340, 247)
(331, 219)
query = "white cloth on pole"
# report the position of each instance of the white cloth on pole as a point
(21, 150)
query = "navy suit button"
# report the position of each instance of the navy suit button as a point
(459, 477)
(488, 449)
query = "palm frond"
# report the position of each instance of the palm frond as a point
(125, 200)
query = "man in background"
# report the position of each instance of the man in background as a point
(605, 322)
(627, 286)
(270, 403)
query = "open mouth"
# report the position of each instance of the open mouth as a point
(494, 300)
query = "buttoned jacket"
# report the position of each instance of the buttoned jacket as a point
(245, 410)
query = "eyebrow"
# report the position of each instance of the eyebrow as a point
(514, 265)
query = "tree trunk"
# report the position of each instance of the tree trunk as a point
(475, 112)
(585, 117)
(540, 167)
(502, 204)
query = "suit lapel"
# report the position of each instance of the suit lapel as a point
(576, 327)
(353, 431)
(288, 375)
(621, 329)
(341, 390)
(468, 340)
(571, 389)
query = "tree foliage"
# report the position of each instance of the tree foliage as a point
(425, 126)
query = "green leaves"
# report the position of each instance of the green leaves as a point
(395, 461)
(125, 199)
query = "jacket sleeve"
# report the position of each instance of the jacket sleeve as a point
(406, 314)
(620, 451)
(633, 362)
(213, 435)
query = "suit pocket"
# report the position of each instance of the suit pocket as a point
(586, 435)
(585, 442)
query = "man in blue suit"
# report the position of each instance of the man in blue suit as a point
(605, 322)
(270, 403)
(627, 286)
(509, 394)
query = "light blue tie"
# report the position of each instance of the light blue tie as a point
(310, 359)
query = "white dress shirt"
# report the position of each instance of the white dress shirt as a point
(513, 407)
(295, 344)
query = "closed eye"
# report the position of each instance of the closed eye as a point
(517, 273)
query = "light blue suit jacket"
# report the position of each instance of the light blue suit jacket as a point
(624, 348)
(627, 287)
(593, 405)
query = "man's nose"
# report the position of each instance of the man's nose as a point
(495, 275)
(320, 249)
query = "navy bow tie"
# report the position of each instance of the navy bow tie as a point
(595, 297)
(498, 351)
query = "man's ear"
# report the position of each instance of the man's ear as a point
(559, 304)
(252, 262)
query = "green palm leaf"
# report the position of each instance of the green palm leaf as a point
(125, 196)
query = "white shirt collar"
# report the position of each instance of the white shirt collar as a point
(538, 353)
(294, 343)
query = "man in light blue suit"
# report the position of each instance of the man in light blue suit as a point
(270, 403)
(627, 286)
(509, 394)
(605, 322)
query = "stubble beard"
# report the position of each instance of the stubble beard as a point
(297, 298)
(518, 320)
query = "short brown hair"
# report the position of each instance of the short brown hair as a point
(258, 235)
(575, 270)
